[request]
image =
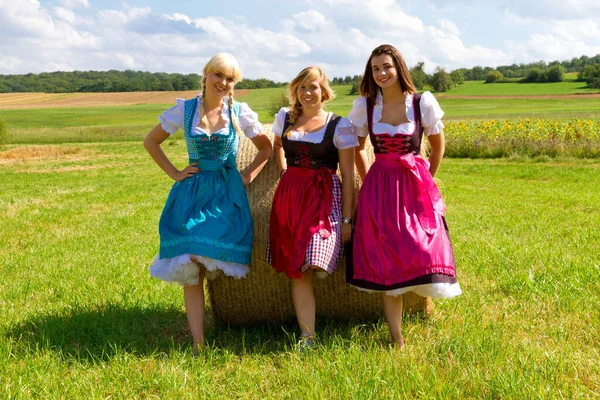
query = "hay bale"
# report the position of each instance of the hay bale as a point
(266, 295)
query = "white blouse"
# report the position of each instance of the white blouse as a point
(172, 119)
(344, 136)
(431, 116)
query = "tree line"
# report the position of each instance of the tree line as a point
(112, 81)
(440, 80)
(588, 69)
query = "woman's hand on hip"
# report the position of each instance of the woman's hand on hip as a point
(188, 171)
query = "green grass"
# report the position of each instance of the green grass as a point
(102, 124)
(571, 76)
(480, 88)
(79, 315)
(520, 108)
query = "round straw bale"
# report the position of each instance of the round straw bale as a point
(264, 295)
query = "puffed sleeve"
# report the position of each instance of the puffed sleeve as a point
(249, 121)
(431, 114)
(172, 119)
(277, 128)
(358, 116)
(345, 135)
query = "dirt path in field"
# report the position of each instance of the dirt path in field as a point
(59, 100)
(525, 96)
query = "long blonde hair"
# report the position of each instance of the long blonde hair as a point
(227, 65)
(306, 75)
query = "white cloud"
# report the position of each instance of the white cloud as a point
(65, 14)
(72, 4)
(449, 27)
(576, 30)
(335, 34)
(551, 9)
(310, 20)
(551, 47)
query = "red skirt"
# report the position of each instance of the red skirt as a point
(304, 208)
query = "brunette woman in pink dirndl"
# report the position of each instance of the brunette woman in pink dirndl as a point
(401, 240)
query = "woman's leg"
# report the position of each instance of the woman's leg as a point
(193, 297)
(392, 308)
(303, 298)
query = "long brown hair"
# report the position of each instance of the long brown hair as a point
(368, 86)
(306, 75)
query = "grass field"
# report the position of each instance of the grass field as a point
(79, 206)
(79, 316)
(132, 122)
(480, 88)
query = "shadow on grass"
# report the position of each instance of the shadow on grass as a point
(267, 338)
(97, 335)
(103, 332)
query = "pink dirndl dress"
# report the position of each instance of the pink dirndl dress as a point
(401, 241)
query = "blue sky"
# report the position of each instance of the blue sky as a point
(276, 39)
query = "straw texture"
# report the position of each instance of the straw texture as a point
(264, 295)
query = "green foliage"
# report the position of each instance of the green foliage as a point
(347, 80)
(476, 73)
(591, 74)
(441, 80)
(493, 76)
(355, 81)
(112, 81)
(458, 76)
(523, 70)
(277, 101)
(418, 75)
(3, 132)
(534, 75)
(355, 89)
(555, 73)
(258, 84)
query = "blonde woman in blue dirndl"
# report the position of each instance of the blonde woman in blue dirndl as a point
(205, 227)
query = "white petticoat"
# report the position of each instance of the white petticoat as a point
(433, 290)
(184, 271)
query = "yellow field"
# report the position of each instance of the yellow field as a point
(57, 100)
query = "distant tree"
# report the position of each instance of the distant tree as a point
(355, 88)
(418, 75)
(591, 74)
(477, 74)
(556, 73)
(441, 80)
(277, 101)
(457, 76)
(534, 75)
(493, 76)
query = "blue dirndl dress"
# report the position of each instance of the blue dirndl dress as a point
(206, 217)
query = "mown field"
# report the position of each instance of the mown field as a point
(480, 88)
(80, 317)
(132, 122)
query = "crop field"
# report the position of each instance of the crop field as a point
(80, 201)
(59, 100)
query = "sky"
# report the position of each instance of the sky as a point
(275, 39)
